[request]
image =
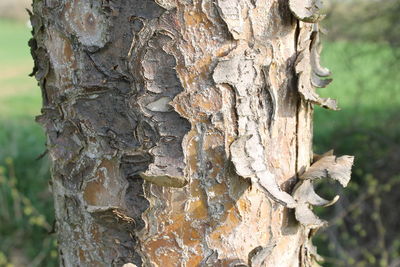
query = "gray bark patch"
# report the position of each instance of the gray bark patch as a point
(161, 85)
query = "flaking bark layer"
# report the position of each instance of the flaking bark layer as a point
(177, 129)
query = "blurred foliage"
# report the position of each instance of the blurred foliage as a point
(25, 228)
(26, 213)
(363, 51)
(364, 20)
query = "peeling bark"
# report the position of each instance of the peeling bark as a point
(328, 166)
(179, 129)
(306, 10)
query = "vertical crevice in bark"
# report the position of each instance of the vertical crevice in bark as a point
(295, 84)
(297, 139)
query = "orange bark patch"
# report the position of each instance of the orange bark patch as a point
(163, 254)
(62, 58)
(81, 254)
(166, 249)
(68, 53)
(195, 16)
(209, 102)
(227, 227)
(95, 233)
(92, 190)
(197, 210)
(104, 189)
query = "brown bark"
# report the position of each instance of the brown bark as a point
(178, 130)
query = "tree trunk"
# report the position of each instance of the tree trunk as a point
(178, 130)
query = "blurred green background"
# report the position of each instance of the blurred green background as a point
(362, 49)
(25, 201)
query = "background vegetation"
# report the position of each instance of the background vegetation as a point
(25, 201)
(362, 50)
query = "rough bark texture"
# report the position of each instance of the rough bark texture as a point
(178, 130)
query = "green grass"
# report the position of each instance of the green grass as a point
(366, 84)
(19, 95)
(360, 69)
(14, 43)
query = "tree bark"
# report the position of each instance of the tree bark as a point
(178, 130)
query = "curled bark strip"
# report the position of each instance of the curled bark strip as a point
(308, 67)
(328, 166)
(306, 10)
(318, 82)
(316, 48)
(317, 157)
(306, 83)
(247, 157)
(268, 182)
(248, 153)
(305, 193)
(337, 168)
(317, 70)
(307, 218)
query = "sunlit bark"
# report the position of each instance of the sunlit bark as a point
(177, 130)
